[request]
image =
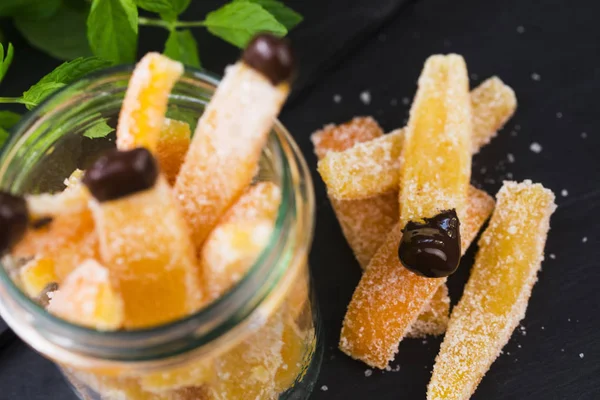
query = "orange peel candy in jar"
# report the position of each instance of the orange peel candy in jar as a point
(239, 238)
(372, 168)
(145, 104)
(87, 297)
(144, 240)
(173, 143)
(389, 298)
(248, 370)
(225, 150)
(495, 298)
(36, 275)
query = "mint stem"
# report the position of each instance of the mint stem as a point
(189, 24)
(154, 22)
(15, 100)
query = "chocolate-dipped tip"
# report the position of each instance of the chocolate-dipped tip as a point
(432, 248)
(271, 56)
(14, 219)
(117, 174)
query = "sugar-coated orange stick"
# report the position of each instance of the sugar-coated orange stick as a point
(173, 143)
(87, 297)
(372, 168)
(239, 238)
(495, 298)
(226, 147)
(145, 104)
(389, 298)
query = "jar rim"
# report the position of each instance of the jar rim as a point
(292, 211)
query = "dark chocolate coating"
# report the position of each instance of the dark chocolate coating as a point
(432, 248)
(43, 299)
(271, 56)
(117, 174)
(41, 222)
(14, 219)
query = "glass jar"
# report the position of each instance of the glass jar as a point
(259, 340)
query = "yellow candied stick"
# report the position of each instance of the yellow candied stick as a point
(366, 222)
(36, 275)
(144, 240)
(492, 103)
(495, 298)
(389, 298)
(145, 104)
(433, 319)
(173, 144)
(372, 168)
(239, 238)
(87, 297)
(435, 166)
(248, 370)
(226, 147)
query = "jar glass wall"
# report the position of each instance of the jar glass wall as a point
(259, 340)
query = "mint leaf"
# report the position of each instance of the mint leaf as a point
(8, 119)
(31, 9)
(4, 135)
(5, 62)
(238, 22)
(99, 130)
(282, 13)
(182, 46)
(156, 6)
(62, 75)
(63, 36)
(112, 30)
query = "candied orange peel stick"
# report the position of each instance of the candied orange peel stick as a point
(87, 297)
(495, 298)
(366, 222)
(173, 143)
(239, 238)
(145, 104)
(435, 166)
(226, 147)
(389, 298)
(146, 245)
(372, 168)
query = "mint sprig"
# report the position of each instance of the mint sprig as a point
(182, 46)
(5, 61)
(112, 29)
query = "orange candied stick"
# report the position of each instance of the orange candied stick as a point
(433, 319)
(145, 104)
(62, 232)
(239, 238)
(226, 147)
(366, 222)
(144, 240)
(389, 298)
(372, 168)
(293, 351)
(248, 370)
(435, 166)
(173, 144)
(495, 298)
(87, 297)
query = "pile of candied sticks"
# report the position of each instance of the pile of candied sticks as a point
(408, 212)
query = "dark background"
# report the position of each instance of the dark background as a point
(349, 46)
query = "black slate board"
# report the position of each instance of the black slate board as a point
(559, 44)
